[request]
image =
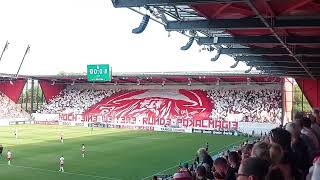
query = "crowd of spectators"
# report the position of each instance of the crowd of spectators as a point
(291, 152)
(9, 109)
(73, 100)
(247, 103)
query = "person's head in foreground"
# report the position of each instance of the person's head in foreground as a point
(293, 129)
(261, 150)
(281, 137)
(253, 168)
(246, 151)
(202, 152)
(201, 172)
(182, 175)
(234, 159)
(221, 165)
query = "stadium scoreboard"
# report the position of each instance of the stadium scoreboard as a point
(98, 72)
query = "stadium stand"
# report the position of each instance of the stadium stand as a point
(75, 100)
(9, 109)
(247, 102)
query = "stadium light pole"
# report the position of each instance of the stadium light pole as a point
(4, 49)
(27, 50)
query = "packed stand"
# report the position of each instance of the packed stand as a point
(251, 103)
(77, 101)
(9, 109)
(288, 153)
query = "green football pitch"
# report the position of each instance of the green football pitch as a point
(111, 153)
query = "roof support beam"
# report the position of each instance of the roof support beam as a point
(292, 40)
(245, 23)
(269, 51)
(140, 3)
(280, 59)
(271, 28)
(284, 65)
(295, 5)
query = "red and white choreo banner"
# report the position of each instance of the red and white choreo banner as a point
(179, 108)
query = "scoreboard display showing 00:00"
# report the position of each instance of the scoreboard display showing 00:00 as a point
(99, 72)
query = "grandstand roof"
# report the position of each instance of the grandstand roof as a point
(179, 78)
(278, 37)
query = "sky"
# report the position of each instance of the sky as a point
(66, 35)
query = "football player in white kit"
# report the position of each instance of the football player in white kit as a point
(61, 163)
(9, 157)
(83, 150)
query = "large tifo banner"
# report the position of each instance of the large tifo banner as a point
(180, 110)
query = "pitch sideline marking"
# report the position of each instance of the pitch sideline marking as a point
(192, 159)
(71, 173)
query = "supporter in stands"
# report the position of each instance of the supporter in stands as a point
(246, 151)
(73, 100)
(201, 173)
(314, 125)
(261, 150)
(288, 164)
(299, 147)
(234, 160)
(9, 109)
(209, 174)
(222, 167)
(206, 158)
(253, 169)
(307, 130)
(312, 150)
(218, 176)
(316, 113)
(275, 153)
(182, 175)
(247, 102)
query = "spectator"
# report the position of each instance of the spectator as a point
(275, 174)
(75, 100)
(299, 147)
(316, 114)
(218, 176)
(312, 150)
(288, 164)
(261, 150)
(276, 154)
(201, 173)
(246, 151)
(206, 158)
(182, 175)
(209, 174)
(221, 166)
(253, 168)
(9, 109)
(306, 124)
(234, 160)
(314, 126)
(247, 102)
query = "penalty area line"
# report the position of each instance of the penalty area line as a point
(70, 173)
(215, 151)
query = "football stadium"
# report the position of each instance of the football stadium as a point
(262, 123)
